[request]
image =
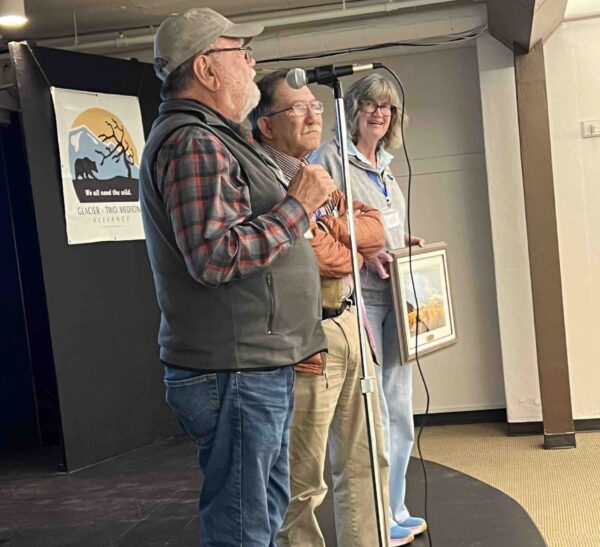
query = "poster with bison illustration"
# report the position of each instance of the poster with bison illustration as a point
(100, 138)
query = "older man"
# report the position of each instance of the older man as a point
(328, 406)
(231, 266)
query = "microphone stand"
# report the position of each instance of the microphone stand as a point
(367, 382)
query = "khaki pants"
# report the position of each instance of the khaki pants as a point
(329, 410)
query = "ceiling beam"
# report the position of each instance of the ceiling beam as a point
(524, 23)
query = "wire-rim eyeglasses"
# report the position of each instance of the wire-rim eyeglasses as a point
(246, 49)
(300, 109)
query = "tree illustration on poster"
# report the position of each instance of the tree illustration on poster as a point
(121, 150)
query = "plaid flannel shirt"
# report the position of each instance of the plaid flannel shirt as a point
(207, 198)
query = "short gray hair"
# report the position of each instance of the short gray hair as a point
(267, 86)
(374, 87)
(178, 81)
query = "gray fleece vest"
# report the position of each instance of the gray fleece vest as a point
(270, 318)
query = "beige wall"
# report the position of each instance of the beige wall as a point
(573, 82)
(511, 258)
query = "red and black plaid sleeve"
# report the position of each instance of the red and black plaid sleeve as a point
(208, 201)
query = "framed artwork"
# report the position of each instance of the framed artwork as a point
(422, 300)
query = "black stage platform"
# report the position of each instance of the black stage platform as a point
(148, 497)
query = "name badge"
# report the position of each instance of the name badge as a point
(391, 219)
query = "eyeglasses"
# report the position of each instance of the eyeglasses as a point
(246, 49)
(300, 109)
(370, 107)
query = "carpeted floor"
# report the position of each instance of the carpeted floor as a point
(560, 489)
(148, 498)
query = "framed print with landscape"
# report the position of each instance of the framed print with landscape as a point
(428, 291)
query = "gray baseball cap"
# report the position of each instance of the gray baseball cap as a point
(184, 34)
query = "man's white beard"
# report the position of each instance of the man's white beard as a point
(234, 96)
(252, 99)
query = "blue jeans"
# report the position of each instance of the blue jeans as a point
(240, 424)
(395, 396)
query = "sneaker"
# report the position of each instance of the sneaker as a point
(400, 536)
(415, 524)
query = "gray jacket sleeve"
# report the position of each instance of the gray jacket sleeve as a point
(328, 155)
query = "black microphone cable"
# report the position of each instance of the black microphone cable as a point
(412, 280)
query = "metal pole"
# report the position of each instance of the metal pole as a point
(367, 382)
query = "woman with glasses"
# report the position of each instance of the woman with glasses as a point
(373, 115)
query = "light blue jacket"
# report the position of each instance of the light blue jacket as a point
(365, 189)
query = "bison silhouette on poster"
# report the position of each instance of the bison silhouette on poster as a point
(100, 138)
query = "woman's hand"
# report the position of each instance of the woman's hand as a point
(414, 240)
(380, 264)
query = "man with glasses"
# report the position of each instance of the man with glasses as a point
(328, 403)
(231, 265)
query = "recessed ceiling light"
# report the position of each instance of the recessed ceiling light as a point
(12, 13)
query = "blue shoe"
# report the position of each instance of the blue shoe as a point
(415, 525)
(400, 536)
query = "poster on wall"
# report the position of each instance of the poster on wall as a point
(100, 140)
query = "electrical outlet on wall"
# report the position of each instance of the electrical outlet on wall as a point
(590, 129)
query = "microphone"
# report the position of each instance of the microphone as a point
(297, 78)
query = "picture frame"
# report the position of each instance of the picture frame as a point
(429, 265)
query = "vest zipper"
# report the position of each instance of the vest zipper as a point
(269, 278)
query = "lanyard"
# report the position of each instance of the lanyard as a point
(328, 209)
(381, 185)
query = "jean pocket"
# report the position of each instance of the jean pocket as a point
(195, 402)
(261, 372)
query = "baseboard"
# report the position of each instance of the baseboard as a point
(461, 418)
(591, 424)
(537, 428)
(513, 429)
